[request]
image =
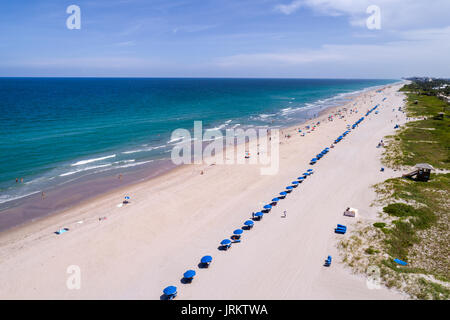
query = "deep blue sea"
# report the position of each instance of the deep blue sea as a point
(55, 130)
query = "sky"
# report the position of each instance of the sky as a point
(226, 38)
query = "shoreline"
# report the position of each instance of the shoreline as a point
(176, 218)
(26, 211)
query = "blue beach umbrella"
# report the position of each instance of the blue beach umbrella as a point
(275, 200)
(289, 188)
(259, 214)
(189, 274)
(283, 193)
(310, 170)
(267, 206)
(170, 290)
(127, 197)
(305, 174)
(225, 242)
(206, 259)
(249, 223)
(294, 182)
(238, 231)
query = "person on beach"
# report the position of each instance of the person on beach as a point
(43, 195)
(120, 176)
(21, 180)
(17, 180)
(284, 214)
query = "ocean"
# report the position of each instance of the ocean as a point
(57, 131)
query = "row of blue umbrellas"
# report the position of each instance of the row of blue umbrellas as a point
(171, 291)
(370, 111)
(319, 156)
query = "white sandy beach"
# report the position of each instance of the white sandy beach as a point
(175, 219)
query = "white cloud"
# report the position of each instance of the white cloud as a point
(419, 52)
(292, 58)
(395, 14)
(289, 8)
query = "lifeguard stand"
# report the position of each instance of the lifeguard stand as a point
(422, 172)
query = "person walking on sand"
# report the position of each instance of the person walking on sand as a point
(284, 213)
(43, 195)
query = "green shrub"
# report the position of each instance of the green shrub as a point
(399, 210)
(379, 225)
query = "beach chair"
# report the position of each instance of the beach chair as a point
(328, 261)
(60, 231)
(340, 230)
(400, 262)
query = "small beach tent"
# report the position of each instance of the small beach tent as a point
(351, 212)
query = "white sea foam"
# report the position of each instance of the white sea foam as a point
(84, 169)
(175, 140)
(124, 161)
(79, 163)
(6, 198)
(134, 164)
(143, 149)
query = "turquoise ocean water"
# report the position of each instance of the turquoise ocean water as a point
(57, 130)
